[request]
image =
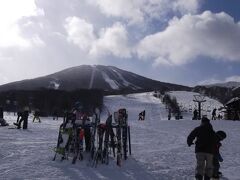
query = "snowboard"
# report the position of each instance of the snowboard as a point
(14, 127)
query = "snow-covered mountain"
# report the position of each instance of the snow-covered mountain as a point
(222, 94)
(230, 84)
(107, 78)
(221, 91)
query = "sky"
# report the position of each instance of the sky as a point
(188, 42)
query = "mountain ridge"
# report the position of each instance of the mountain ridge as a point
(106, 78)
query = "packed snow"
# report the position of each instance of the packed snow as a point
(159, 149)
(92, 77)
(124, 81)
(113, 84)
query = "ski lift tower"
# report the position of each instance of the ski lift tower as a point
(199, 99)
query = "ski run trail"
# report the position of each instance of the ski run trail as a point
(159, 148)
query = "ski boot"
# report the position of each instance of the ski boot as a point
(206, 177)
(219, 173)
(198, 177)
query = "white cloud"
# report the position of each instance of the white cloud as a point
(113, 41)
(37, 41)
(129, 9)
(11, 11)
(80, 32)
(212, 35)
(186, 6)
(136, 11)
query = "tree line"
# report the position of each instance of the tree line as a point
(50, 101)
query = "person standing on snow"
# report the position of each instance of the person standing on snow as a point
(204, 148)
(142, 115)
(195, 114)
(2, 120)
(220, 135)
(214, 114)
(24, 119)
(37, 116)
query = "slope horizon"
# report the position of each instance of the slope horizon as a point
(229, 83)
(89, 65)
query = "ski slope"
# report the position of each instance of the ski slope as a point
(186, 103)
(159, 149)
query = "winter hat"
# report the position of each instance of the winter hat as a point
(205, 120)
(221, 134)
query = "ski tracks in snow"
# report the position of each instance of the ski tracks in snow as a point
(92, 77)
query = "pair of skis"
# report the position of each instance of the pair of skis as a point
(104, 132)
(123, 135)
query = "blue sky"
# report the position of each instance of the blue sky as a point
(188, 42)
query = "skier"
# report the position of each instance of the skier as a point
(36, 115)
(55, 114)
(220, 135)
(1, 113)
(214, 114)
(24, 119)
(169, 114)
(204, 148)
(142, 115)
(2, 121)
(195, 114)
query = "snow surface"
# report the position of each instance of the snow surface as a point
(159, 149)
(125, 82)
(54, 84)
(92, 77)
(110, 81)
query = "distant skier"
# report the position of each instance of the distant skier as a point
(204, 148)
(1, 113)
(24, 119)
(2, 120)
(219, 117)
(55, 114)
(36, 115)
(220, 135)
(214, 114)
(169, 114)
(141, 115)
(195, 114)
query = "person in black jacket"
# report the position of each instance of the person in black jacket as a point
(214, 114)
(220, 135)
(24, 119)
(204, 148)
